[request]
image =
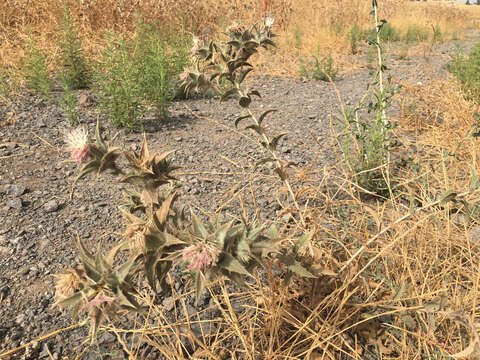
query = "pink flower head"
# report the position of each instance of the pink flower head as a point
(100, 301)
(200, 256)
(77, 144)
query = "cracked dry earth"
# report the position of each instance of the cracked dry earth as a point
(38, 222)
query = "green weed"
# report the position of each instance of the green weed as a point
(388, 33)
(322, 69)
(416, 33)
(159, 61)
(467, 71)
(297, 37)
(355, 35)
(35, 71)
(75, 71)
(437, 36)
(367, 141)
(117, 81)
(4, 84)
(69, 104)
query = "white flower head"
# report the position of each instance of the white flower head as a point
(77, 144)
(269, 21)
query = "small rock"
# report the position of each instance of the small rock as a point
(4, 291)
(15, 241)
(178, 139)
(286, 150)
(15, 190)
(107, 338)
(168, 303)
(459, 219)
(4, 251)
(51, 206)
(86, 100)
(15, 203)
(20, 319)
(474, 234)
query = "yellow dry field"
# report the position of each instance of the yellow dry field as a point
(304, 26)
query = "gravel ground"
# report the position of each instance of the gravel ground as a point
(38, 223)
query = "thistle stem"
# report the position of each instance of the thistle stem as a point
(279, 164)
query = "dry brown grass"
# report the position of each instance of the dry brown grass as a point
(322, 23)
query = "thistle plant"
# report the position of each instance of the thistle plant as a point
(229, 60)
(157, 236)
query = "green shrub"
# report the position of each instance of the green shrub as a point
(75, 72)
(322, 69)
(160, 60)
(437, 34)
(117, 81)
(416, 33)
(355, 35)
(35, 71)
(388, 33)
(69, 103)
(467, 71)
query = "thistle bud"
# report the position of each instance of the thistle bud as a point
(77, 144)
(199, 257)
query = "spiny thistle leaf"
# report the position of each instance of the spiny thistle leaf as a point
(237, 121)
(198, 227)
(229, 263)
(274, 141)
(258, 129)
(300, 270)
(262, 117)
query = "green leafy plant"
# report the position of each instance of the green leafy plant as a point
(74, 69)
(160, 61)
(437, 35)
(35, 71)
(415, 33)
(69, 104)
(388, 33)
(118, 86)
(355, 35)
(467, 70)
(322, 69)
(367, 142)
(158, 234)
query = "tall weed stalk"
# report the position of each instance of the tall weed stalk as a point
(367, 140)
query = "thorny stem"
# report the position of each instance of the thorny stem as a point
(278, 163)
(380, 57)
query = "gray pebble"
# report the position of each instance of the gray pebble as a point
(15, 203)
(51, 206)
